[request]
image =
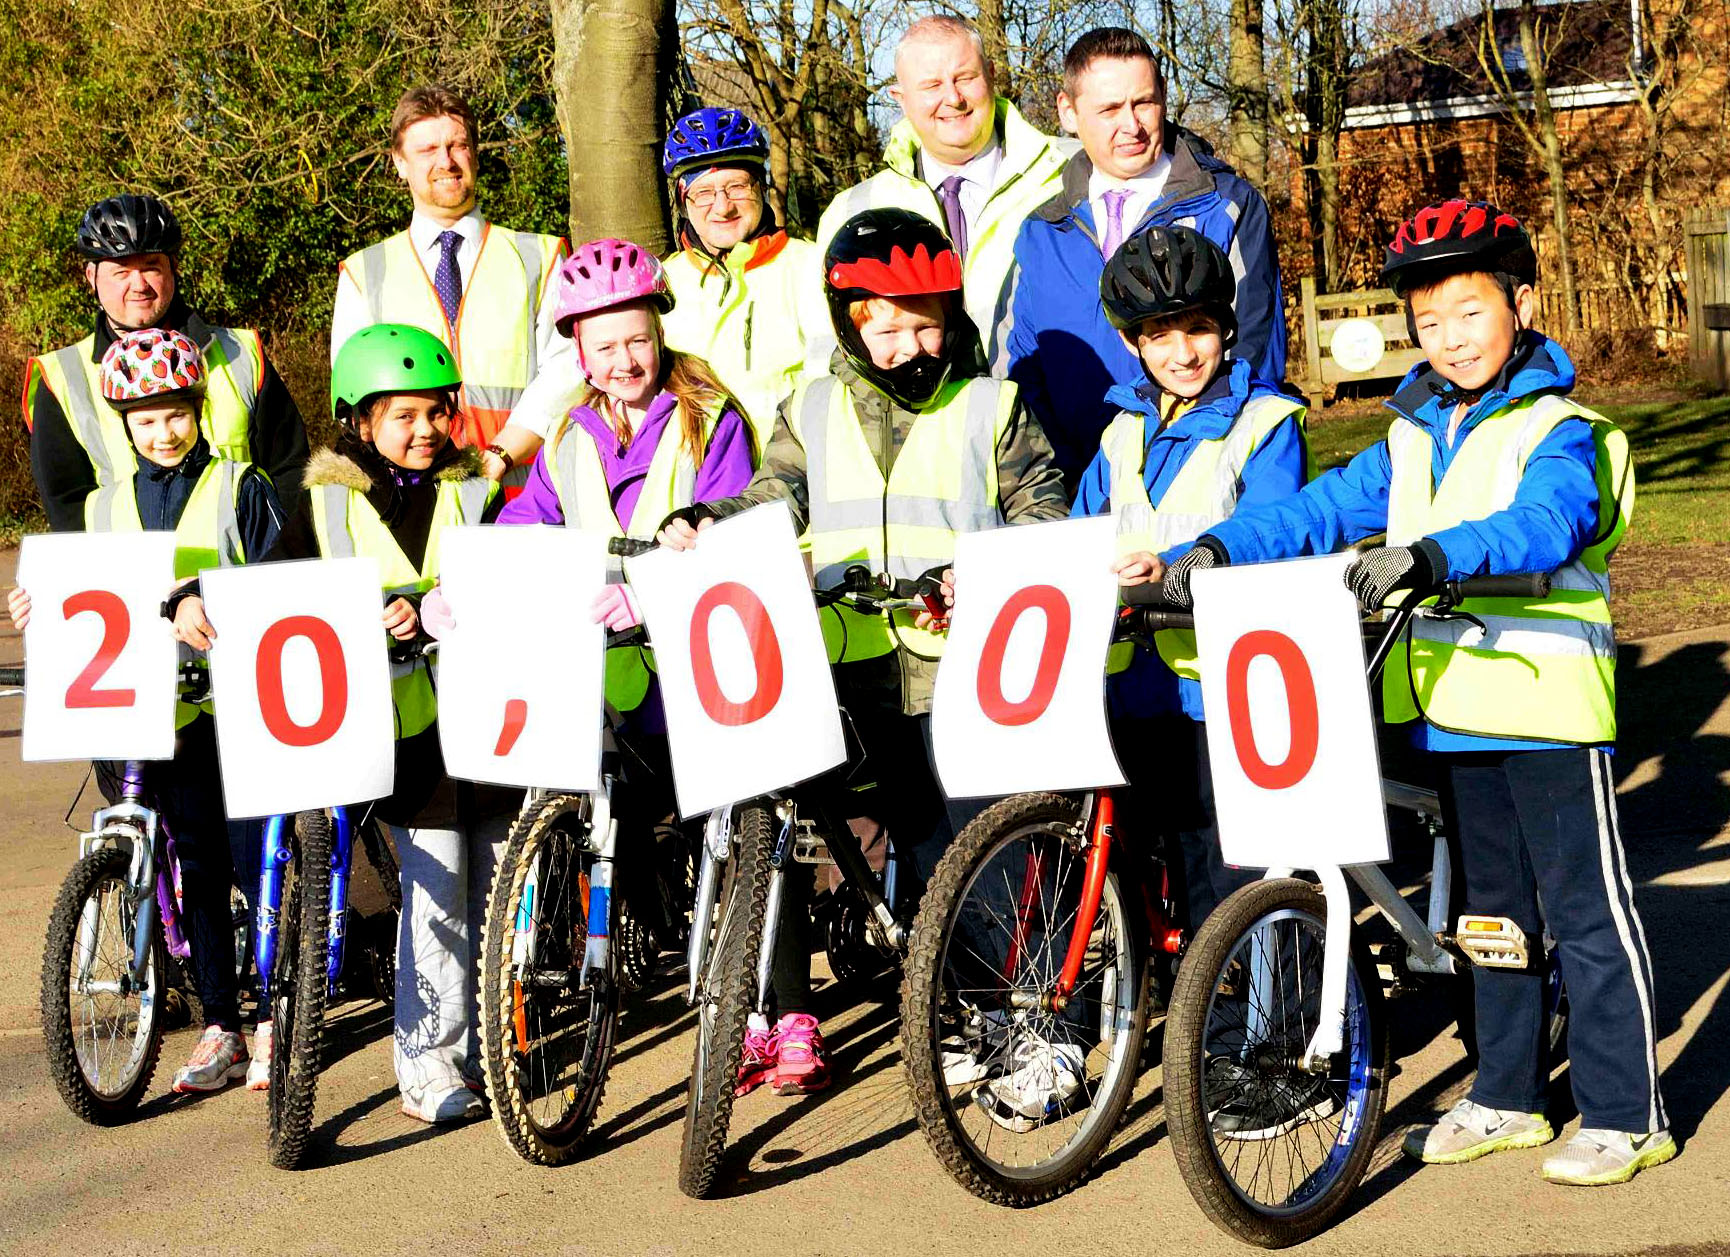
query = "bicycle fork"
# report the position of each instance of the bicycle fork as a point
(717, 846)
(604, 832)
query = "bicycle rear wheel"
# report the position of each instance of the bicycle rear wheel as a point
(1018, 1098)
(298, 990)
(103, 1032)
(1270, 1151)
(724, 998)
(547, 1038)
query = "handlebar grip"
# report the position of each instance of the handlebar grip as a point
(1152, 619)
(630, 547)
(12, 678)
(1520, 585)
(1150, 594)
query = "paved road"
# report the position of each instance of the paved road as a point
(848, 1172)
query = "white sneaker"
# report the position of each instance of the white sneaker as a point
(1598, 1158)
(218, 1060)
(436, 1106)
(258, 1069)
(976, 1052)
(1042, 1079)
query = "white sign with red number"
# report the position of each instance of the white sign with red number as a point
(1296, 774)
(1020, 699)
(304, 718)
(744, 673)
(100, 662)
(520, 677)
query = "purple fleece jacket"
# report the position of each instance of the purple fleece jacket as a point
(726, 469)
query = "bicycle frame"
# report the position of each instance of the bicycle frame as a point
(133, 825)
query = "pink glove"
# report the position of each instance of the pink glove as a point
(435, 613)
(616, 608)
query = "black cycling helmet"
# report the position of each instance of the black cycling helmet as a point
(1164, 271)
(1455, 237)
(126, 225)
(896, 253)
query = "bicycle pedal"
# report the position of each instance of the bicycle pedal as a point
(810, 847)
(1493, 942)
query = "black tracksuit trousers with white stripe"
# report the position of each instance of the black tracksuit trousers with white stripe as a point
(1542, 825)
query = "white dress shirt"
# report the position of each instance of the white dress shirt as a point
(979, 177)
(1144, 190)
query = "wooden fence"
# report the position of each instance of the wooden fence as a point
(1707, 238)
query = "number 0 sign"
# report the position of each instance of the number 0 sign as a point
(744, 675)
(100, 660)
(303, 714)
(1296, 776)
(1020, 701)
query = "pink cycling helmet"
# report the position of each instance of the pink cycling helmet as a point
(606, 273)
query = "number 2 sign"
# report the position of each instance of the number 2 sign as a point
(100, 660)
(1020, 700)
(304, 718)
(1296, 775)
(745, 677)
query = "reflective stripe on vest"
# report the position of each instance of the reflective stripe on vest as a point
(346, 525)
(233, 362)
(1542, 669)
(494, 336)
(207, 535)
(1204, 492)
(586, 501)
(943, 482)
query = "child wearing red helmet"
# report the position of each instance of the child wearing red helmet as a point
(1489, 469)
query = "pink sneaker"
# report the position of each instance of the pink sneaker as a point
(800, 1066)
(757, 1065)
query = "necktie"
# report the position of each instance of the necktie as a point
(447, 279)
(949, 193)
(1114, 200)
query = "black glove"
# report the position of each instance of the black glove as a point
(692, 515)
(1380, 570)
(1206, 553)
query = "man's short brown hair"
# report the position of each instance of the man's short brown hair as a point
(1116, 43)
(430, 101)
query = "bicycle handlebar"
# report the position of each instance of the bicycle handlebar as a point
(631, 547)
(1521, 585)
(12, 678)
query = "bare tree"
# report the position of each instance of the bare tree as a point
(613, 63)
(1247, 92)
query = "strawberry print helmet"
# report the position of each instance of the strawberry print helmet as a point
(152, 365)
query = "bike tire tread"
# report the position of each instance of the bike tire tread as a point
(297, 1059)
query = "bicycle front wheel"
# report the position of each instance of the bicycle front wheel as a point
(547, 1029)
(299, 986)
(724, 998)
(1017, 1089)
(103, 1031)
(1271, 1151)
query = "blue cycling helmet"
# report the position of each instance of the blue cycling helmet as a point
(709, 136)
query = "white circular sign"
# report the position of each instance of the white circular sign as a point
(1358, 344)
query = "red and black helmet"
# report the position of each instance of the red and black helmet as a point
(1451, 237)
(896, 253)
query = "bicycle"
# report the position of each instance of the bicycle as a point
(1031, 958)
(564, 937)
(746, 854)
(1276, 1051)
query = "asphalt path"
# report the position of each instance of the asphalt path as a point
(848, 1171)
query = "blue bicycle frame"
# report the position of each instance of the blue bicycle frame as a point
(277, 853)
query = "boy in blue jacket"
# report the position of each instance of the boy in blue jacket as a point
(1488, 469)
(1196, 438)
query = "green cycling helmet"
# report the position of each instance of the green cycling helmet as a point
(388, 358)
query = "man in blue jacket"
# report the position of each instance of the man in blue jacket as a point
(1135, 170)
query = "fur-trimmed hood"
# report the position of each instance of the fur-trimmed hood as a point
(329, 466)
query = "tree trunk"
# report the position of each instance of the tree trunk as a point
(1247, 92)
(1327, 77)
(613, 64)
(1550, 153)
(994, 33)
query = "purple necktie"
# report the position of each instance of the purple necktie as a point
(949, 193)
(1114, 200)
(447, 279)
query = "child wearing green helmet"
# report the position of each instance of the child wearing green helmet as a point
(389, 486)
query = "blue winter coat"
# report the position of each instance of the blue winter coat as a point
(1064, 353)
(1553, 518)
(1276, 469)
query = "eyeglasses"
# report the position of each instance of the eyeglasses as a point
(738, 193)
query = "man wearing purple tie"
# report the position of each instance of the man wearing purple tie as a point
(484, 290)
(1136, 169)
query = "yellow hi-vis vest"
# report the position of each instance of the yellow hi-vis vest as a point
(234, 375)
(1545, 668)
(742, 318)
(494, 334)
(581, 483)
(1203, 493)
(346, 525)
(206, 536)
(943, 482)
